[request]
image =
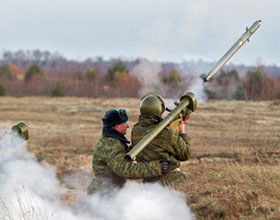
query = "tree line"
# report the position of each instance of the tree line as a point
(25, 73)
(35, 80)
(118, 81)
(256, 85)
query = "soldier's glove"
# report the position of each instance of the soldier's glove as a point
(164, 166)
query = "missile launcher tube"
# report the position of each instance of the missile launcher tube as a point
(187, 101)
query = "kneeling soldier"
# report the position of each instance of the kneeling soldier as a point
(109, 164)
(169, 145)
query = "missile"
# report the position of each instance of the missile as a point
(238, 44)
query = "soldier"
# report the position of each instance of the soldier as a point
(170, 145)
(109, 163)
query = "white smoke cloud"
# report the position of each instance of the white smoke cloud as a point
(143, 201)
(29, 190)
(197, 88)
(147, 73)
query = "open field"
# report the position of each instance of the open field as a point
(234, 172)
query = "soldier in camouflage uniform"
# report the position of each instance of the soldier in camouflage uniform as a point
(170, 145)
(109, 164)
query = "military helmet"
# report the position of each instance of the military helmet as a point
(21, 129)
(152, 105)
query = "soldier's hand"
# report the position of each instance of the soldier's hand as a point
(182, 126)
(186, 117)
(164, 165)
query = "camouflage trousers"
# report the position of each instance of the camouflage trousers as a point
(103, 186)
(173, 179)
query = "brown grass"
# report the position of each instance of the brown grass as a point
(234, 172)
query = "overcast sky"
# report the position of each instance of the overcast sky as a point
(162, 30)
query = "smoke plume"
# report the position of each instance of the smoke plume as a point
(147, 73)
(197, 88)
(29, 190)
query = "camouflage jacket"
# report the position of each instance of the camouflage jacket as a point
(167, 146)
(111, 169)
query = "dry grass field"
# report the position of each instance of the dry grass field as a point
(234, 172)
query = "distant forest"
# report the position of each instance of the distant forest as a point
(42, 73)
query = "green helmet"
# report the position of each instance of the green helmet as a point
(152, 105)
(21, 129)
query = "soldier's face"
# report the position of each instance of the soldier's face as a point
(122, 128)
